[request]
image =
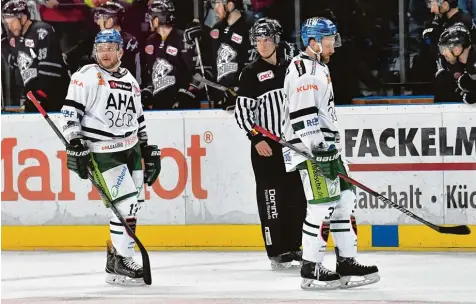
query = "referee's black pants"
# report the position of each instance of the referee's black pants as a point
(281, 201)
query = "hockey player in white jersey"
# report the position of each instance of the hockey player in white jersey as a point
(104, 122)
(311, 125)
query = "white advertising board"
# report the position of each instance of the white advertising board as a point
(424, 157)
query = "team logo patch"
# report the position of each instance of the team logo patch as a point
(29, 43)
(237, 38)
(160, 75)
(171, 50)
(215, 34)
(149, 49)
(265, 76)
(119, 85)
(225, 61)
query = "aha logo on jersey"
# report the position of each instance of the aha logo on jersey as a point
(265, 75)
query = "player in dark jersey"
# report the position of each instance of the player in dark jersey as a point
(230, 46)
(110, 16)
(169, 62)
(445, 13)
(280, 195)
(455, 45)
(38, 56)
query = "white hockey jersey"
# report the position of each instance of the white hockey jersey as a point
(310, 118)
(105, 109)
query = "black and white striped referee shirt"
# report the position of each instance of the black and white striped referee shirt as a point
(260, 96)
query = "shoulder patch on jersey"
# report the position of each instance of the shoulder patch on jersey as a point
(149, 49)
(215, 34)
(237, 38)
(12, 42)
(171, 50)
(42, 33)
(136, 90)
(300, 67)
(29, 43)
(265, 75)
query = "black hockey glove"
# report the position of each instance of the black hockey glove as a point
(186, 99)
(151, 156)
(328, 162)
(78, 157)
(147, 98)
(194, 30)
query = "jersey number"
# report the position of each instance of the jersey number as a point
(118, 120)
(42, 53)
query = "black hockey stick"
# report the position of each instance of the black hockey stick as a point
(462, 229)
(143, 251)
(214, 85)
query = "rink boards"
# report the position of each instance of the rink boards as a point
(421, 156)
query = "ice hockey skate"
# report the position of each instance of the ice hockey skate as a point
(286, 261)
(122, 270)
(349, 268)
(315, 276)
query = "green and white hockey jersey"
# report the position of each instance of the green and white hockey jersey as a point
(310, 118)
(104, 108)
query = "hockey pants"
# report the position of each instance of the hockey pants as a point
(281, 201)
(121, 177)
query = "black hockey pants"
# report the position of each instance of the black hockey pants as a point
(281, 201)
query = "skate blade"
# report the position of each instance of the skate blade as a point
(311, 284)
(115, 279)
(366, 280)
(286, 266)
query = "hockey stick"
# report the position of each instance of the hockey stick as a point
(462, 229)
(214, 85)
(143, 251)
(199, 53)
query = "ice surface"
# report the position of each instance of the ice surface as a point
(232, 278)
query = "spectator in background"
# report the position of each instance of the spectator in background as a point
(72, 24)
(468, 6)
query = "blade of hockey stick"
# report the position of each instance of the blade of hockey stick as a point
(212, 84)
(143, 251)
(462, 229)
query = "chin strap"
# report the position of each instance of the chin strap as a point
(269, 55)
(318, 55)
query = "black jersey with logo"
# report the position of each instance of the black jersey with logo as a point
(231, 50)
(169, 65)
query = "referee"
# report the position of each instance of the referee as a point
(280, 195)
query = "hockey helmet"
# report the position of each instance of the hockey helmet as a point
(15, 8)
(453, 36)
(109, 36)
(110, 9)
(265, 27)
(164, 10)
(318, 28)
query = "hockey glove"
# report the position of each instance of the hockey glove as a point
(328, 162)
(194, 30)
(78, 159)
(147, 97)
(151, 156)
(431, 34)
